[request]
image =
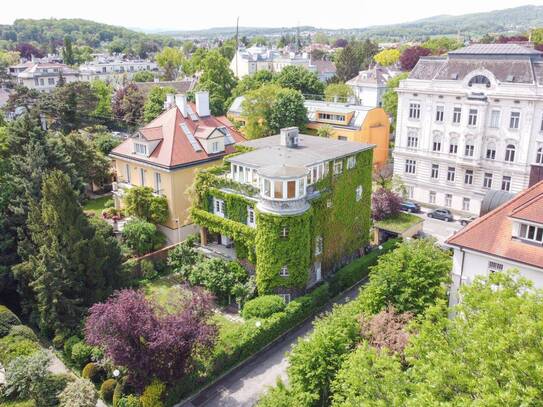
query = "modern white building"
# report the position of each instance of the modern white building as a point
(113, 69)
(44, 77)
(469, 123)
(509, 237)
(370, 85)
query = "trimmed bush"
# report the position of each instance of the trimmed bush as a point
(107, 388)
(68, 345)
(93, 372)
(263, 306)
(129, 401)
(23, 332)
(118, 393)
(12, 347)
(81, 353)
(7, 320)
(58, 341)
(45, 392)
(153, 395)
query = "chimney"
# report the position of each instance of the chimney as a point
(181, 102)
(202, 103)
(289, 137)
(170, 101)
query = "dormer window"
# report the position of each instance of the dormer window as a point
(531, 233)
(140, 148)
(479, 80)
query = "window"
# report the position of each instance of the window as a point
(158, 183)
(479, 80)
(330, 116)
(127, 173)
(472, 117)
(468, 177)
(342, 138)
(510, 153)
(491, 151)
(457, 115)
(495, 119)
(267, 187)
(539, 155)
(358, 193)
(448, 200)
(435, 171)
(284, 232)
(514, 120)
(215, 147)
(218, 207)
(142, 177)
(487, 180)
(51, 81)
(506, 183)
(451, 172)
(440, 111)
(465, 204)
(140, 148)
(494, 267)
(318, 245)
(414, 111)
(286, 298)
(351, 162)
(436, 145)
(410, 191)
(432, 197)
(410, 166)
(328, 203)
(412, 140)
(469, 149)
(251, 221)
(453, 146)
(291, 189)
(284, 271)
(531, 232)
(278, 189)
(338, 167)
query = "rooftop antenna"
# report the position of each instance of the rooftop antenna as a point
(237, 45)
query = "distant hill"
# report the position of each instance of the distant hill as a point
(507, 21)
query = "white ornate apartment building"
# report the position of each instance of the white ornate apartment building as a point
(471, 122)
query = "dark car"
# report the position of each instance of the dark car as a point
(441, 214)
(411, 207)
(467, 220)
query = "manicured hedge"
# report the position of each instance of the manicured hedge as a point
(7, 320)
(263, 306)
(107, 388)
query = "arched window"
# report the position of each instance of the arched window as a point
(479, 80)
(436, 144)
(510, 153)
(491, 151)
(539, 155)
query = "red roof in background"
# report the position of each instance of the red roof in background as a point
(492, 233)
(174, 148)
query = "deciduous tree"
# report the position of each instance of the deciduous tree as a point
(301, 79)
(127, 104)
(170, 60)
(154, 105)
(338, 91)
(387, 57)
(410, 56)
(385, 203)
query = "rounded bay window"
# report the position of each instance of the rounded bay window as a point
(283, 188)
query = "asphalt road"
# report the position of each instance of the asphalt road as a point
(439, 229)
(244, 387)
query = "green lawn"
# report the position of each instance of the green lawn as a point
(96, 205)
(164, 289)
(398, 223)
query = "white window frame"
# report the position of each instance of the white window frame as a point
(432, 197)
(283, 271)
(468, 177)
(158, 182)
(351, 162)
(359, 192)
(434, 174)
(410, 166)
(414, 110)
(140, 149)
(440, 113)
(218, 207)
(494, 267)
(286, 298)
(457, 115)
(472, 117)
(514, 120)
(127, 173)
(251, 217)
(453, 146)
(466, 204)
(412, 140)
(510, 153)
(531, 233)
(142, 177)
(539, 154)
(490, 151)
(338, 167)
(487, 180)
(506, 181)
(318, 245)
(451, 174)
(284, 232)
(495, 119)
(448, 200)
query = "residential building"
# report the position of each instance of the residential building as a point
(114, 69)
(325, 70)
(509, 237)
(352, 122)
(370, 85)
(43, 76)
(476, 116)
(295, 206)
(181, 86)
(349, 122)
(165, 154)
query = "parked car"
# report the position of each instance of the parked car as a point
(410, 207)
(467, 220)
(441, 214)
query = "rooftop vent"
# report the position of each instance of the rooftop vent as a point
(289, 137)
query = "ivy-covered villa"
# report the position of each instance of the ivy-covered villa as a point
(294, 206)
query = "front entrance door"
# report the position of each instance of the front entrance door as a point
(318, 271)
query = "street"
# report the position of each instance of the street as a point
(438, 229)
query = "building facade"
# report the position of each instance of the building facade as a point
(166, 153)
(370, 85)
(297, 207)
(509, 237)
(469, 123)
(112, 69)
(44, 77)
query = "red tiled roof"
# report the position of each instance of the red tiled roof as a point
(174, 148)
(492, 233)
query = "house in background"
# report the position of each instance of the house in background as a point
(510, 236)
(296, 206)
(325, 70)
(114, 68)
(43, 76)
(165, 154)
(370, 85)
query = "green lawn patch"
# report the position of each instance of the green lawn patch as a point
(96, 205)
(164, 289)
(398, 223)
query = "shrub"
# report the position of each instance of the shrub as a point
(153, 395)
(46, 391)
(385, 203)
(107, 388)
(81, 353)
(79, 393)
(183, 257)
(23, 332)
(7, 320)
(118, 392)
(93, 372)
(141, 202)
(141, 236)
(12, 347)
(23, 372)
(68, 345)
(147, 269)
(129, 401)
(263, 307)
(58, 341)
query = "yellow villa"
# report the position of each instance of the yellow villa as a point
(165, 154)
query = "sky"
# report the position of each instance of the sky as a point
(190, 15)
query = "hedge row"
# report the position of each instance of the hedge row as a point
(255, 334)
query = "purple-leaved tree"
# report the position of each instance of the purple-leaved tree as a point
(150, 342)
(410, 56)
(385, 203)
